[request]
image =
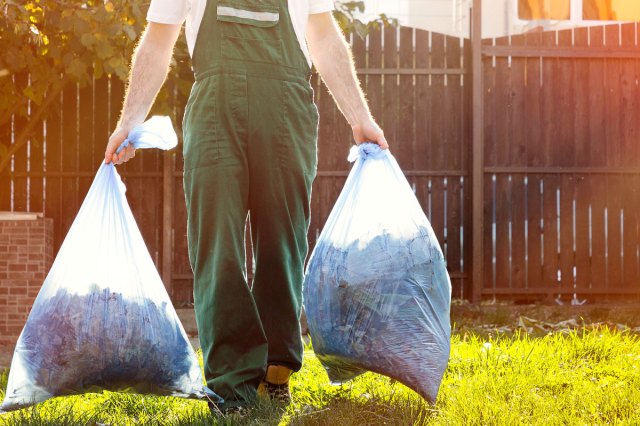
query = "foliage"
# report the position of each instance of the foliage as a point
(48, 44)
(587, 376)
(347, 14)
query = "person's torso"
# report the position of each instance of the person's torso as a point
(298, 11)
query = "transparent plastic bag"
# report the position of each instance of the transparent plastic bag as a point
(103, 318)
(377, 293)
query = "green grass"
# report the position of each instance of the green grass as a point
(583, 377)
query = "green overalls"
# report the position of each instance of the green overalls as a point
(250, 131)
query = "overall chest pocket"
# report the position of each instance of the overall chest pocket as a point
(250, 32)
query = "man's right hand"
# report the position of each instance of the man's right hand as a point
(149, 69)
(116, 139)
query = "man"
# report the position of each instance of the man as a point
(250, 131)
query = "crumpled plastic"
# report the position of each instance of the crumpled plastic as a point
(103, 319)
(377, 293)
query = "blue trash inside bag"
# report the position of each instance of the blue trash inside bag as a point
(103, 319)
(376, 292)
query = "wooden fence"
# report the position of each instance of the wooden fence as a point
(560, 170)
(562, 163)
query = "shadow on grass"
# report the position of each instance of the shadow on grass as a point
(374, 411)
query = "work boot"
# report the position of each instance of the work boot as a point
(275, 384)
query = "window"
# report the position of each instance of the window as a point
(611, 10)
(544, 9)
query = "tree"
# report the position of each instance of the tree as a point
(48, 44)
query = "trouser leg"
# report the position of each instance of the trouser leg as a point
(233, 342)
(282, 155)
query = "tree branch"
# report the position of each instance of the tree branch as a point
(7, 115)
(23, 137)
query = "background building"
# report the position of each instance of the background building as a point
(504, 17)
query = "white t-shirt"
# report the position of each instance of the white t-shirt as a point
(177, 11)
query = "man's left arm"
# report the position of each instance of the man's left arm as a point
(332, 58)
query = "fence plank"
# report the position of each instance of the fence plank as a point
(567, 226)
(502, 142)
(534, 232)
(422, 159)
(36, 158)
(5, 179)
(582, 157)
(438, 138)
(20, 160)
(615, 155)
(630, 193)
(518, 157)
(455, 128)
(69, 195)
(404, 146)
(87, 141)
(374, 82)
(597, 158)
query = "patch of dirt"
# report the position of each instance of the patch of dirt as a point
(491, 318)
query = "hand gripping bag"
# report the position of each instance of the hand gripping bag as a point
(376, 292)
(103, 318)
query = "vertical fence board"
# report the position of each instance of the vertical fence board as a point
(20, 159)
(390, 92)
(518, 157)
(374, 82)
(454, 154)
(597, 158)
(615, 155)
(70, 197)
(36, 166)
(503, 140)
(534, 231)
(5, 177)
(404, 146)
(87, 141)
(438, 139)
(53, 159)
(583, 241)
(566, 254)
(582, 157)
(423, 96)
(630, 193)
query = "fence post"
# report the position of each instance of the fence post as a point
(167, 221)
(477, 153)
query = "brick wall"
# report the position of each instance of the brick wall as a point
(26, 254)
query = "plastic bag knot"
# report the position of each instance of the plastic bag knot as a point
(365, 151)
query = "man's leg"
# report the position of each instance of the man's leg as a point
(282, 154)
(233, 342)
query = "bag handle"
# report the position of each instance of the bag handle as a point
(156, 132)
(367, 150)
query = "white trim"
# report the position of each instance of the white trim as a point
(248, 14)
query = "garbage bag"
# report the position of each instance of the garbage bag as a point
(103, 318)
(377, 293)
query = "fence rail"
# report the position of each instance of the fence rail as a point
(559, 170)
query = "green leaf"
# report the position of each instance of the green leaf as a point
(87, 40)
(104, 50)
(77, 69)
(131, 33)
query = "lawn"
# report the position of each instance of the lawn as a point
(585, 376)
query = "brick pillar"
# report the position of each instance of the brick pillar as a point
(26, 254)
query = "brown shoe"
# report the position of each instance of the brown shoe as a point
(275, 384)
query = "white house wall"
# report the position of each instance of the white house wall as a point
(451, 17)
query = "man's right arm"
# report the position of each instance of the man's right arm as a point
(149, 69)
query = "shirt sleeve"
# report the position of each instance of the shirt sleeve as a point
(320, 6)
(168, 11)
